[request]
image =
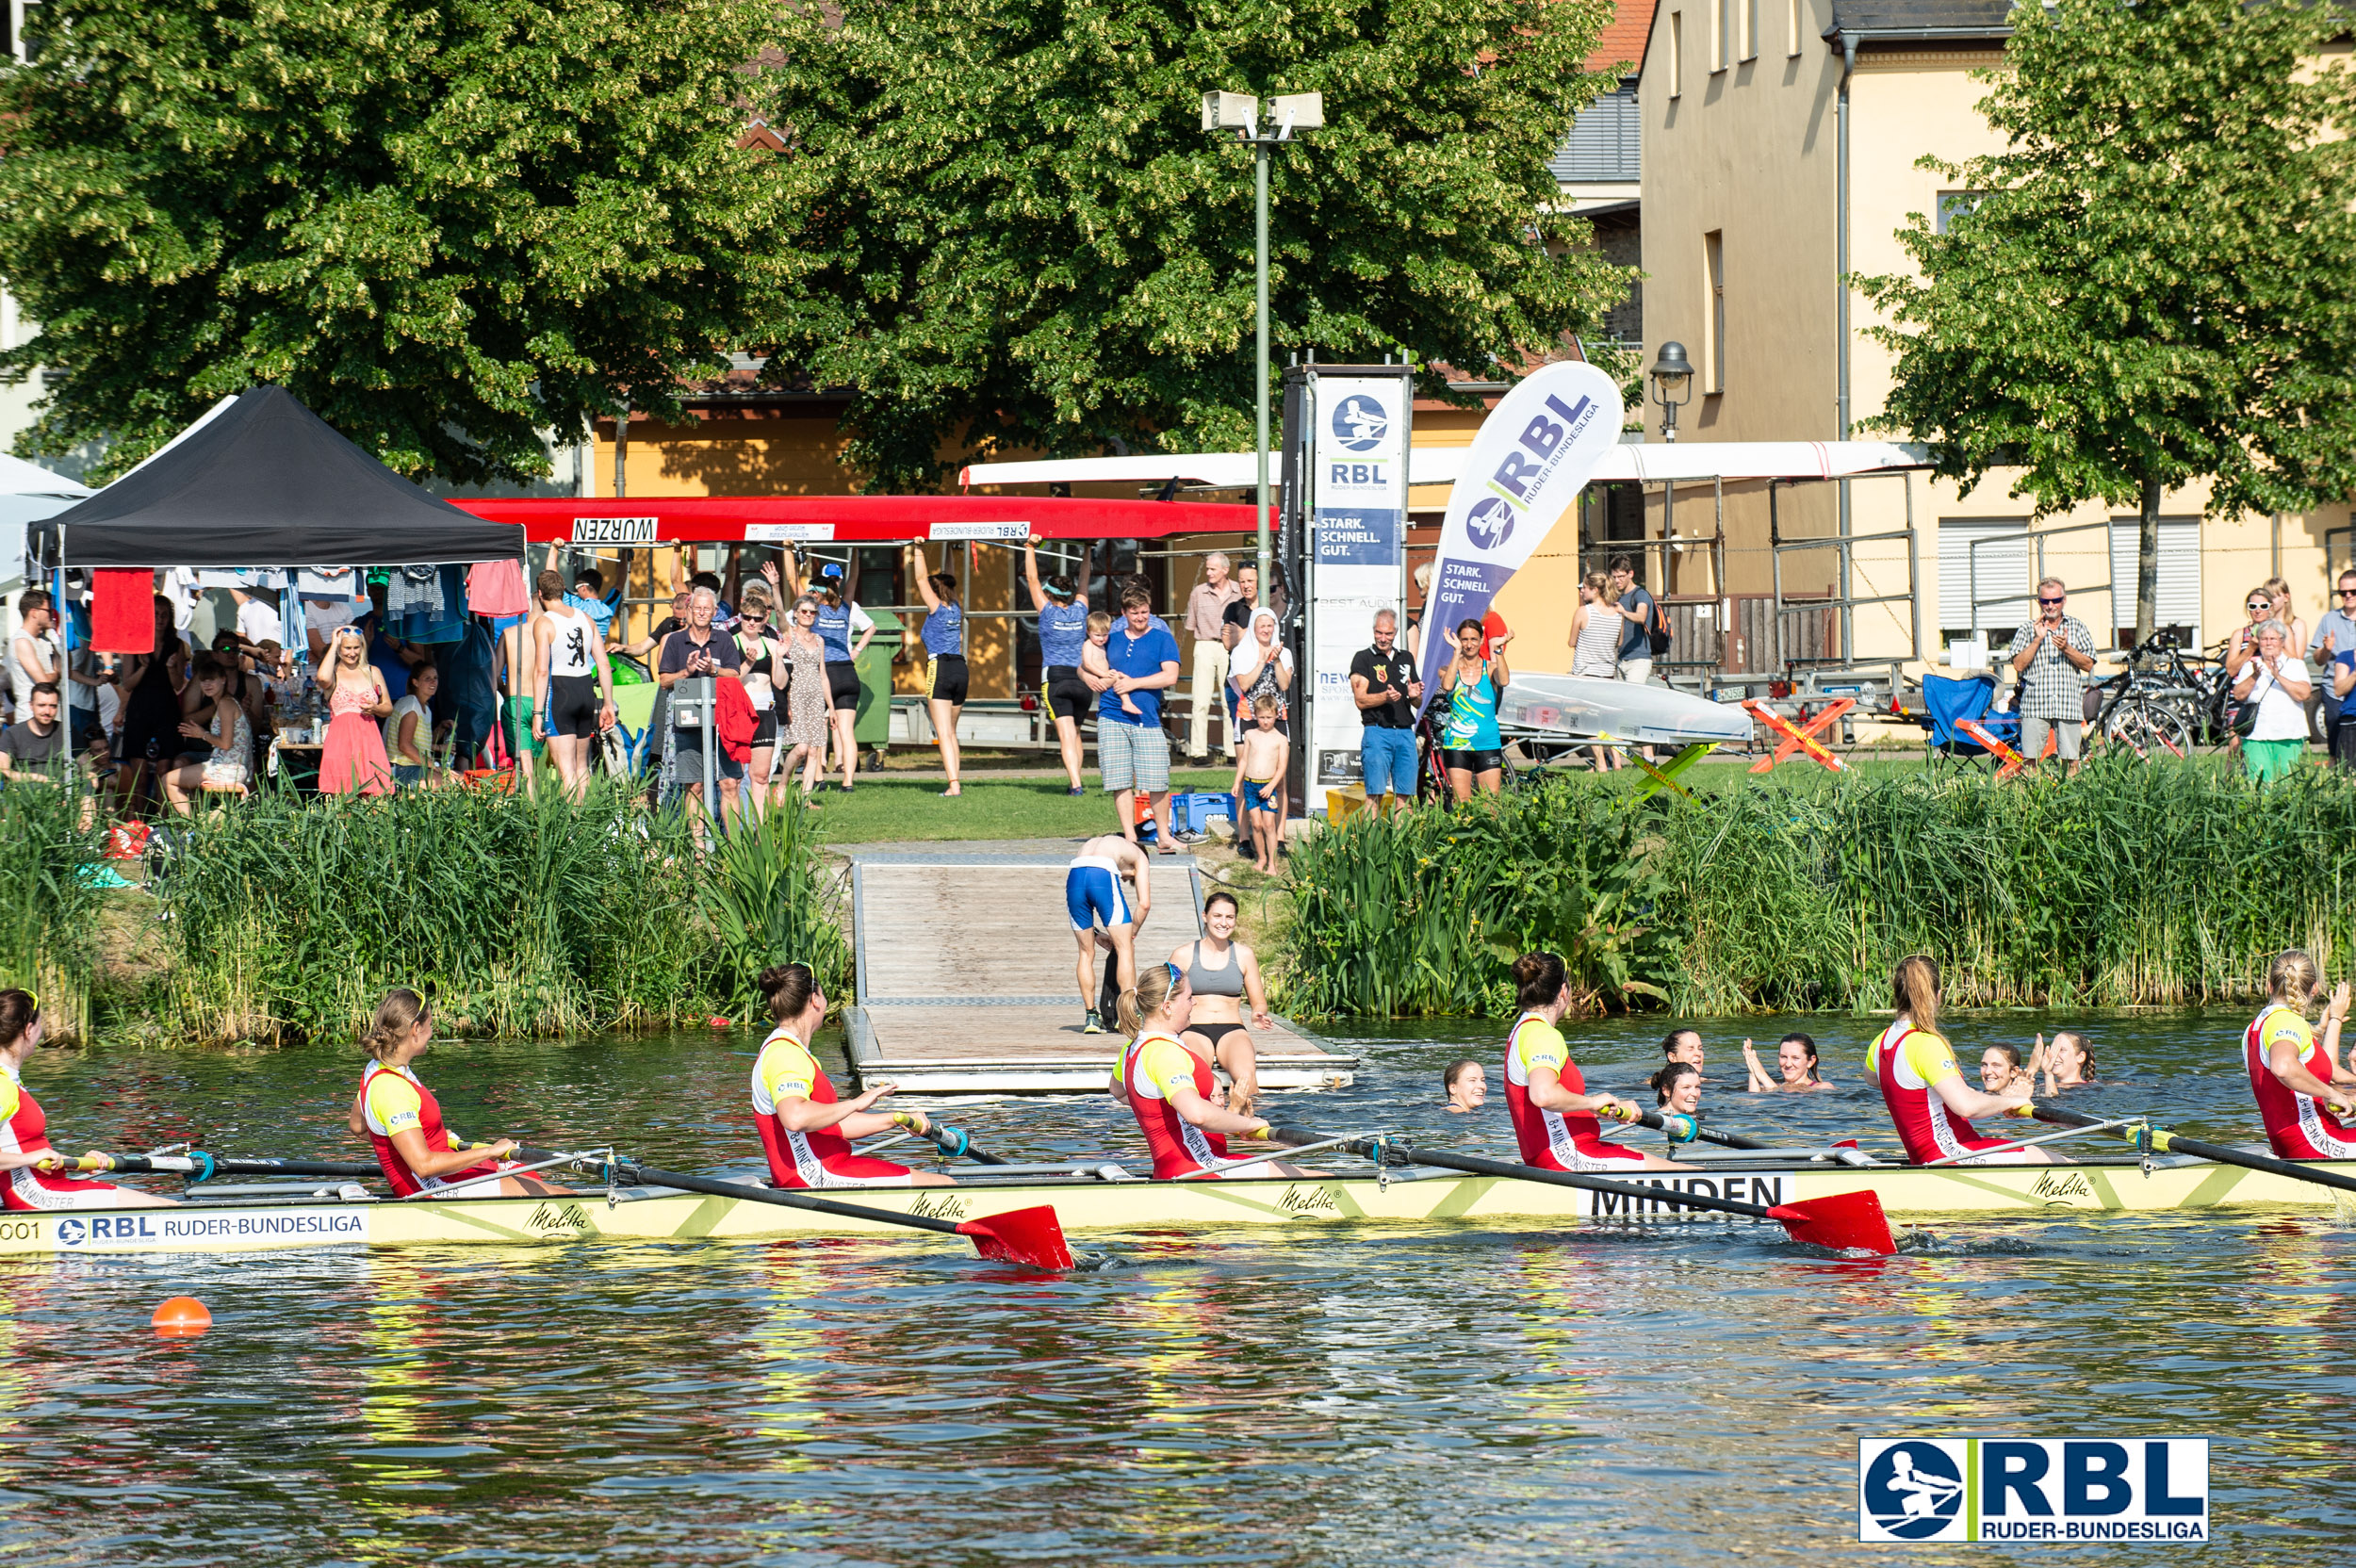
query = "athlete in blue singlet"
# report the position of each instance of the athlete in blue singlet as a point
(1470, 746)
(1063, 630)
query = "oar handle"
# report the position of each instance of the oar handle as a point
(2163, 1141)
(957, 1141)
(1473, 1165)
(784, 1198)
(1660, 1123)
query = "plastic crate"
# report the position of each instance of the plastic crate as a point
(1189, 813)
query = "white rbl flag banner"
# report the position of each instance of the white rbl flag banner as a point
(1525, 467)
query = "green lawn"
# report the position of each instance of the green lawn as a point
(883, 808)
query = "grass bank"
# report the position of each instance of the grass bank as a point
(2133, 883)
(49, 908)
(287, 919)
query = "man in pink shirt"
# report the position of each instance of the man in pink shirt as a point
(1207, 608)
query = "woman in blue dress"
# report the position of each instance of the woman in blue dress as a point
(1470, 747)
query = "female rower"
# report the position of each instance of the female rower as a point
(1166, 1083)
(1554, 1116)
(1682, 1045)
(2001, 1070)
(1678, 1087)
(1220, 989)
(2303, 1091)
(2066, 1064)
(1795, 1060)
(1929, 1102)
(402, 1121)
(804, 1129)
(32, 1168)
(1466, 1085)
(1469, 743)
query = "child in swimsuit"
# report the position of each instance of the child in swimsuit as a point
(1096, 661)
(1261, 759)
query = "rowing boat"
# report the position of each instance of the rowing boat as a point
(1107, 1200)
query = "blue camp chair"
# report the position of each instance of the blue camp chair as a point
(1948, 700)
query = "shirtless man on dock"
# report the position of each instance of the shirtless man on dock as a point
(1107, 878)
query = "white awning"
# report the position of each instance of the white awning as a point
(1652, 460)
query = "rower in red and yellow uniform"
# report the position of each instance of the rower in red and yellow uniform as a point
(1556, 1122)
(1169, 1085)
(2303, 1091)
(1929, 1102)
(805, 1132)
(31, 1170)
(402, 1121)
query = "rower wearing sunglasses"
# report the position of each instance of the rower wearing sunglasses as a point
(30, 1169)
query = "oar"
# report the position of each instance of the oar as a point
(1840, 1222)
(1030, 1236)
(201, 1166)
(2166, 1142)
(1690, 1129)
(955, 1141)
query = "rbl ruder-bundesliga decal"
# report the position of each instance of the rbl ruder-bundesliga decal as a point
(2050, 1489)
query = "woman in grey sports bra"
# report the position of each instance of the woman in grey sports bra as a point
(1223, 972)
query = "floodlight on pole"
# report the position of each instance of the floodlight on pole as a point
(1239, 112)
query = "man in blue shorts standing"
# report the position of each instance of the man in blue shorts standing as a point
(1106, 876)
(1382, 682)
(1132, 750)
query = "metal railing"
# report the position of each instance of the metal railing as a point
(2034, 567)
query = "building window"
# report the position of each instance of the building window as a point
(1747, 22)
(1721, 18)
(1714, 317)
(1605, 142)
(1791, 29)
(1953, 205)
(1677, 53)
(1983, 578)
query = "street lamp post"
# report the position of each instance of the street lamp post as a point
(1672, 377)
(1239, 112)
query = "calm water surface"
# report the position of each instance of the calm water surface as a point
(1675, 1395)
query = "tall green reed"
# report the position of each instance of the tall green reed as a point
(2133, 883)
(288, 919)
(769, 899)
(49, 909)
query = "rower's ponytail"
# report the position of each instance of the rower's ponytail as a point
(1914, 991)
(1538, 979)
(1147, 997)
(2292, 979)
(395, 1016)
(788, 989)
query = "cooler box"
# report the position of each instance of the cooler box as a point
(1192, 811)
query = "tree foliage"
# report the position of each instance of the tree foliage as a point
(1019, 235)
(2155, 286)
(442, 226)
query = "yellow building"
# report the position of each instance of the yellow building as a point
(1781, 142)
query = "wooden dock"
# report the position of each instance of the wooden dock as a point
(965, 980)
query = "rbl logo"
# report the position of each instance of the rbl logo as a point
(1537, 443)
(1490, 523)
(1360, 424)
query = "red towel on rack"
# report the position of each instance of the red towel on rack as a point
(123, 610)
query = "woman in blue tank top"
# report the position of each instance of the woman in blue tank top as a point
(943, 632)
(1470, 746)
(1063, 630)
(840, 621)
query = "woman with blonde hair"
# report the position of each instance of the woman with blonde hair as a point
(2300, 1088)
(1168, 1085)
(764, 661)
(402, 1121)
(2279, 595)
(1929, 1102)
(353, 760)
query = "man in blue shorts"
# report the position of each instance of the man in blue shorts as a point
(1382, 682)
(1132, 750)
(1108, 874)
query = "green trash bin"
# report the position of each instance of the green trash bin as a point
(872, 728)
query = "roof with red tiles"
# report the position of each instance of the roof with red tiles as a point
(1624, 36)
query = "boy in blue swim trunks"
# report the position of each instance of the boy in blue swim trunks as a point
(1260, 763)
(1107, 883)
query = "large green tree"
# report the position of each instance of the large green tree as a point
(2156, 282)
(443, 225)
(1019, 235)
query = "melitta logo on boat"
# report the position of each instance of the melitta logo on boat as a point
(1490, 523)
(2051, 1489)
(2069, 1191)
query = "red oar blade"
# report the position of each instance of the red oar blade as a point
(1030, 1236)
(1845, 1221)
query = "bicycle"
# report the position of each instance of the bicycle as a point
(2162, 701)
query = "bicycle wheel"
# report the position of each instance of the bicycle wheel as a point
(2151, 728)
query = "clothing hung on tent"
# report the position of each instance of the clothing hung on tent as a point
(426, 605)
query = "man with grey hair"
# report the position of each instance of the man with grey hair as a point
(1206, 609)
(1382, 682)
(697, 650)
(2048, 656)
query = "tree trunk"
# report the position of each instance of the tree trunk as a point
(2148, 563)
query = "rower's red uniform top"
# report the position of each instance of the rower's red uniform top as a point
(1554, 1140)
(394, 1099)
(820, 1158)
(1151, 1065)
(24, 1128)
(2297, 1124)
(1908, 1063)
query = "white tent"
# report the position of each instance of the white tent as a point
(28, 493)
(1653, 462)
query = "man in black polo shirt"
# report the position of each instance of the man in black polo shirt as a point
(1382, 682)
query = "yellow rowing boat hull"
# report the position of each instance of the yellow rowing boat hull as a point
(1114, 1207)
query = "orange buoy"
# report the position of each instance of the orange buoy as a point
(719, 1023)
(182, 1314)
